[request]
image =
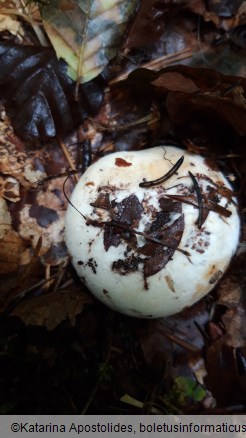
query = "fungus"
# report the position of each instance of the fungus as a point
(157, 234)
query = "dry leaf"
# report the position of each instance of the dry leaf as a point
(11, 24)
(50, 310)
(9, 188)
(11, 248)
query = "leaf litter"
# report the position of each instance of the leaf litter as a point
(63, 338)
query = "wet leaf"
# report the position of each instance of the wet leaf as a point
(149, 22)
(224, 8)
(38, 94)
(86, 33)
(176, 82)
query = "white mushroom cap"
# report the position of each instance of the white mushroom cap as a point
(130, 272)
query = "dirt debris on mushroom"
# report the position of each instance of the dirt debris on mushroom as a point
(151, 232)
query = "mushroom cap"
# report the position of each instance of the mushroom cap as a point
(109, 232)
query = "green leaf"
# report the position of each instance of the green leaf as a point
(188, 388)
(86, 33)
(185, 385)
(199, 393)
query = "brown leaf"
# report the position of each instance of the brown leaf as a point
(174, 81)
(170, 205)
(102, 201)
(127, 211)
(51, 309)
(111, 236)
(157, 262)
(234, 322)
(11, 248)
(159, 256)
(182, 107)
(9, 188)
(149, 22)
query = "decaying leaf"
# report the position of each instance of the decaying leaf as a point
(52, 310)
(86, 33)
(5, 218)
(11, 24)
(125, 217)
(9, 188)
(11, 248)
(39, 95)
(149, 22)
(11, 244)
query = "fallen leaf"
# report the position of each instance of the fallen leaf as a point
(11, 248)
(11, 24)
(9, 188)
(224, 8)
(5, 218)
(86, 33)
(176, 82)
(50, 310)
(159, 256)
(38, 95)
(149, 22)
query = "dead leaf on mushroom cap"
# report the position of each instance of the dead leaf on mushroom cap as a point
(152, 255)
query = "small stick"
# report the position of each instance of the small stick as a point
(158, 63)
(58, 175)
(165, 177)
(209, 205)
(139, 233)
(199, 199)
(69, 158)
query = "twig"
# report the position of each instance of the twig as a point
(199, 199)
(179, 341)
(60, 278)
(165, 177)
(210, 205)
(139, 233)
(69, 158)
(113, 127)
(158, 63)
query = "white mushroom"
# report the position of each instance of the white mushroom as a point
(151, 248)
